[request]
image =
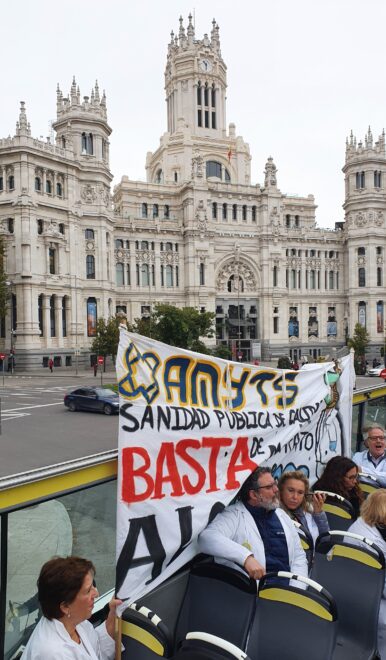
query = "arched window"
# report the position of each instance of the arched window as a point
(293, 279)
(38, 184)
(61, 228)
(199, 91)
(11, 225)
(275, 273)
(1, 184)
(63, 141)
(202, 274)
(159, 176)
(144, 210)
(361, 277)
(169, 276)
(155, 211)
(90, 267)
(312, 279)
(119, 274)
(11, 182)
(244, 212)
(40, 314)
(64, 316)
(253, 213)
(213, 168)
(145, 280)
(166, 211)
(59, 189)
(52, 316)
(48, 187)
(234, 211)
(89, 233)
(40, 226)
(144, 245)
(214, 210)
(361, 251)
(52, 261)
(331, 279)
(360, 180)
(224, 211)
(377, 179)
(169, 247)
(87, 144)
(296, 221)
(379, 276)
(118, 243)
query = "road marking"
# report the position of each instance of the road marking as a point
(42, 405)
(10, 416)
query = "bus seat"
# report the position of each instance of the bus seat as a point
(219, 600)
(143, 634)
(203, 646)
(291, 622)
(339, 511)
(368, 484)
(355, 575)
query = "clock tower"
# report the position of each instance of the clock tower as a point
(195, 85)
(195, 82)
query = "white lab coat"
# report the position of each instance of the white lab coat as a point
(233, 535)
(371, 533)
(379, 471)
(51, 641)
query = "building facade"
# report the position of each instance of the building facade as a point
(198, 233)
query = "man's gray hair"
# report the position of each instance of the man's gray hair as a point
(252, 483)
(370, 427)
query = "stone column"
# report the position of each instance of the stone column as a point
(58, 320)
(46, 320)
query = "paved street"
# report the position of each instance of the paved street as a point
(38, 430)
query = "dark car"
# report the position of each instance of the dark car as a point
(94, 399)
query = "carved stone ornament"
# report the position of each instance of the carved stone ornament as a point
(144, 256)
(270, 173)
(197, 166)
(90, 245)
(201, 217)
(88, 194)
(379, 219)
(169, 257)
(236, 269)
(274, 217)
(104, 195)
(361, 261)
(360, 219)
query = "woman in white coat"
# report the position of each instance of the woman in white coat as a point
(66, 592)
(372, 525)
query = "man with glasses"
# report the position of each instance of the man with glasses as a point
(373, 460)
(254, 534)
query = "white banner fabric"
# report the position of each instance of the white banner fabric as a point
(191, 429)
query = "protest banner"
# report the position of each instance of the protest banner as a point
(191, 429)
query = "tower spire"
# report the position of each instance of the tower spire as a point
(73, 92)
(22, 126)
(190, 31)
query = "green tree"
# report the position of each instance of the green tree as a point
(107, 336)
(222, 351)
(4, 288)
(177, 326)
(358, 342)
(284, 362)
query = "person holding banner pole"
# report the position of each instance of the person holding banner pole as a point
(253, 534)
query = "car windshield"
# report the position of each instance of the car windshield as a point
(101, 391)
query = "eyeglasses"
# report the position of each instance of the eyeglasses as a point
(353, 478)
(272, 485)
(376, 437)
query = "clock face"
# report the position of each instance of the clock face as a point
(205, 65)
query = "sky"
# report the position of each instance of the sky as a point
(301, 75)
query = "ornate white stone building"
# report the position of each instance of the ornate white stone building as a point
(199, 232)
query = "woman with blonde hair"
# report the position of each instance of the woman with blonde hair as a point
(372, 525)
(300, 504)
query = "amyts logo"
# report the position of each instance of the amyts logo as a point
(140, 379)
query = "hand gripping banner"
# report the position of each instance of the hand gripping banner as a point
(191, 429)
